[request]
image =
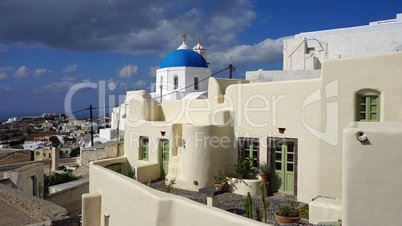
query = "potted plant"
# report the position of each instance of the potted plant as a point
(244, 169)
(221, 181)
(288, 213)
(264, 170)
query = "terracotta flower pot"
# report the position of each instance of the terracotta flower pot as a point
(223, 186)
(287, 220)
(264, 178)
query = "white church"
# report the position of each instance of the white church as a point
(183, 74)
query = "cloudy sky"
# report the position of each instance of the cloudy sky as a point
(48, 46)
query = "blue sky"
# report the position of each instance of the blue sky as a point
(48, 46)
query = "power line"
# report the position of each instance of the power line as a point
(93, 108)
(191, 84)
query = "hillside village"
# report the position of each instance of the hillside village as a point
(326, 129)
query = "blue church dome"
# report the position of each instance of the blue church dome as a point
(184, 58)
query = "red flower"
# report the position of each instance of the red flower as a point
(227, 163)
(245, 160)
(234, 176)
(226, 173)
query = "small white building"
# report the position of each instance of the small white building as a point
(32, 145)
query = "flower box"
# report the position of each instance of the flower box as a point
(242, 186)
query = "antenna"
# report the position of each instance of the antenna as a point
(125, 96)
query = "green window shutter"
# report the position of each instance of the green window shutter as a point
(368, 107)
(144, 149)
(250, 150)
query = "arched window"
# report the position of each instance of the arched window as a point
(176, 82)
(195, 83)
(368, 106)
(161, 81)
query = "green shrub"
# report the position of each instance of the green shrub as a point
(57, 178)
(288, 209)
(304, 212)
(75, 152)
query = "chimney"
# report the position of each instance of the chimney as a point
(55, 158)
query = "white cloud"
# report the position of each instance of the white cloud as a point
(266, 51)
(4, 70)
(131, 70)
(152, 71)
(3, 48)
(140, 84)
(70, 69)
(61, 85)
(22, 72)
(121, 86)
(39, 73)
(6, 88)
(3, 75)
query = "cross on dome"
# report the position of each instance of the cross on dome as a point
(198, 40)
(184, 37)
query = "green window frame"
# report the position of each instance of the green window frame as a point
(249, 147)
(144, 146)
(368, 107)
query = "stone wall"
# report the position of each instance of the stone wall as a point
(70, 198)
(97, 152)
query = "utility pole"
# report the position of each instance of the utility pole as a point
(92, 128)
(231, 68)
(161, 93)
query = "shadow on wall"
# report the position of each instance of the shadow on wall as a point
(275, 182)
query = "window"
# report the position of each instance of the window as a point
(161, 80)
(176, 82)
(144, 144)
(249, 148)
(368, 107)
(37, 153)
(195, 83)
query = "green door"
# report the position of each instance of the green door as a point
(164, 146)
(283, 161)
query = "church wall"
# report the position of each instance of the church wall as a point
(201, 73)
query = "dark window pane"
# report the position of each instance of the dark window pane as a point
(290, 157)
(290, 167)
(278, 166)
(278, 156)
(291, 148)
